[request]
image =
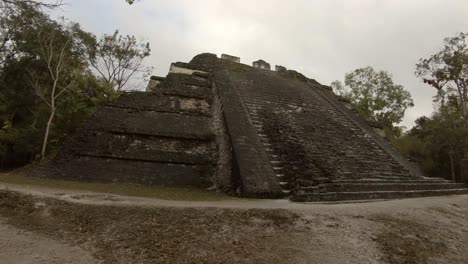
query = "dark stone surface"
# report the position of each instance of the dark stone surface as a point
(256, 174)
(261, 64)
(376, 195)
(193, 66)
(329, 144)
(163, 138)
(207, 60)
(143, 148)
(129, 121)
(186, 86)
(157, 78)
(94, 169)
(156, 102)
(359, 122)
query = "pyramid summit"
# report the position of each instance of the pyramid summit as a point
(251, 131)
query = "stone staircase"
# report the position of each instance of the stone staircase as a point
(377, 190)
(320, 151)
(274, 158)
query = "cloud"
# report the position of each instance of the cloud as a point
(322, 39)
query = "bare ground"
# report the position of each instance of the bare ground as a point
(42, 225)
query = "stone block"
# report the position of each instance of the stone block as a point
(150, 123)
(105, 170)
(143, 148)
(163, 103)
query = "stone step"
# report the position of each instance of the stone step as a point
(126, 121)
(342, 196)
(365, 187)
(406, 177)
(162, 103)
(143, 148)
(408, 180)
(186, 86)
(188, 69)
(107, 170)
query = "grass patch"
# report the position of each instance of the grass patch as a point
(166, 193)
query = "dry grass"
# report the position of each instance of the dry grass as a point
(157, 235)
(166, 193)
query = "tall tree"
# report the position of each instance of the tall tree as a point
(447, 72)
(46, 79)
(10, 20)
(375, 96)
(118, 59)
(55, 53)
(437, 142)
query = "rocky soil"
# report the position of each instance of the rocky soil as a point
(61, 227)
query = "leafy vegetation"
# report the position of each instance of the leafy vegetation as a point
(440, 142)
(375, 97)
(48, 82)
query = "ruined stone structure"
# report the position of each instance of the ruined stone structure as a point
(244, 130)
(261, 64)
(153, 83)
(280, 68)
(230, 58)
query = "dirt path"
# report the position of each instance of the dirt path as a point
(95, 198)
(23, 247)
(119, 229)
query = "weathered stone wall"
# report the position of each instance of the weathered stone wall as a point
(153, 83)
(223, 178)
(261, 64)
(163, 137)
(230, 58)
(251, 162)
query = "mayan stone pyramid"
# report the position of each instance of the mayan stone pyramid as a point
(251, 131)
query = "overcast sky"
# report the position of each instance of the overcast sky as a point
(322, 39)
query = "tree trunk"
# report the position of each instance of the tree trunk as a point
(452, 166)
(46, 135)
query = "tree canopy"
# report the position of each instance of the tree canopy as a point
(447, 72)
(375, 96)
(118, 59)
(440, 142)
(48, 86)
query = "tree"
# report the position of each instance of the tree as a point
(447, 72)
(118, 58)
(10, 20)
(32, 3)
(438, 142)
(28, 75)
(54, 52)
(374, 96)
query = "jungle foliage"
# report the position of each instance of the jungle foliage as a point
(48, 83)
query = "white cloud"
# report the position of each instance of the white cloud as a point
(322, 39)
